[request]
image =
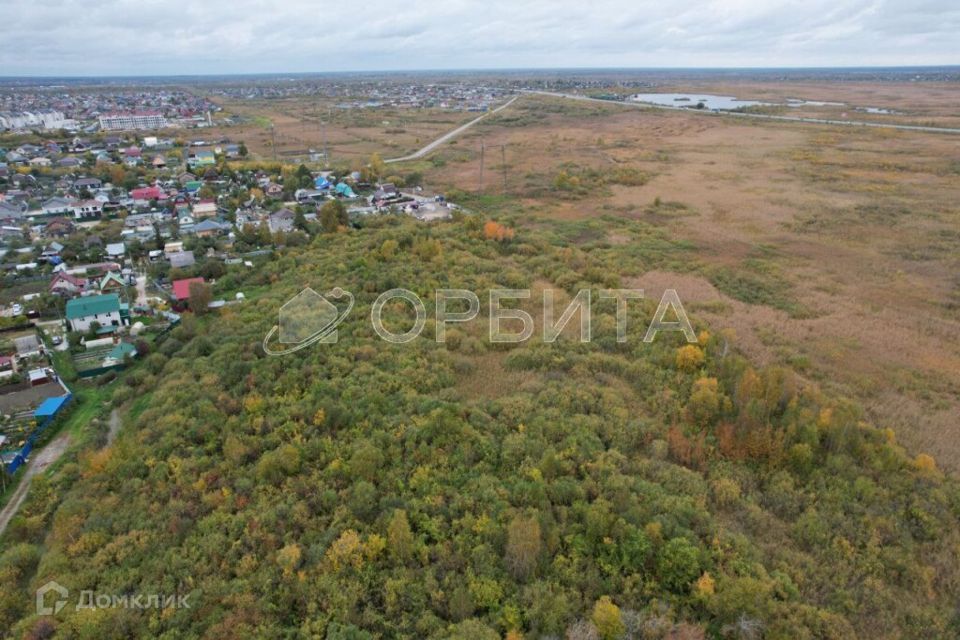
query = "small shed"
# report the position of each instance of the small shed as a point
(49, 408)
(38, 377)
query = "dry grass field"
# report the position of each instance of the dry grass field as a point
(834, 251)
(351, 135)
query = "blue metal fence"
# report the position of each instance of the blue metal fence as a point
(50, 410)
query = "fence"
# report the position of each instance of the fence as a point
(46, 419)
(90, 373)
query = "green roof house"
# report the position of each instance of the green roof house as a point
(104, 310)
(117, 354)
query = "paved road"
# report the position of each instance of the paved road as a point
(40, 461)
(759, 116)
(449, 136)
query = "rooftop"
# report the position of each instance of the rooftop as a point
(92, 305)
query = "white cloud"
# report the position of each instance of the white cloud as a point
(87, 37)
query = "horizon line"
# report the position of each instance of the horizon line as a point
(482, 70)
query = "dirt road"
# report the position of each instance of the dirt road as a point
(142, 290)
(114, 427)
(449, 136)
(41, 460)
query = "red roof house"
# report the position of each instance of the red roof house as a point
(148, 193)
(181, 288)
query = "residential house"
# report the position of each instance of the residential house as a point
(173, 247)
(119, 353)
(144, 195)
(116, 250)
(67, 285)
(204, 209)
(132, 156)
(28, 346)
(185, 220)
(58, 228)
(52, 250)
(386, 191)
(181, 288)
(105, 310)
(54, 206)
(281, 220)
(243, 218)
(10, 211)
(181, 259)
(111, 283)
(9, 232)
(90, 184)
(273, 190)
(87, 210)
(6, 370)
(208, 228)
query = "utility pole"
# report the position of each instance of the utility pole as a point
(503, 164)
(481, 165)
(326, 157)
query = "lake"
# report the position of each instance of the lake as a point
(691, 100)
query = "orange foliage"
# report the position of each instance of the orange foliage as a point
(758, 443)
(496, 231)
(688, 451)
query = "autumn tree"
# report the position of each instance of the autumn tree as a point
(333, 215)
(690, 357)
(377, 167)
(200, 296)
(523, 545)
(400, 537)
(607, 619)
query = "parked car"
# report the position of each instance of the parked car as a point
(57, 340)
(17, 308)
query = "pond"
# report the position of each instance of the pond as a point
(691, 100)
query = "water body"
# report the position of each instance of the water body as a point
(714, 102)
(797, 102)
(691, 100)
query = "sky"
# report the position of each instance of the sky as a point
(162, 37)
